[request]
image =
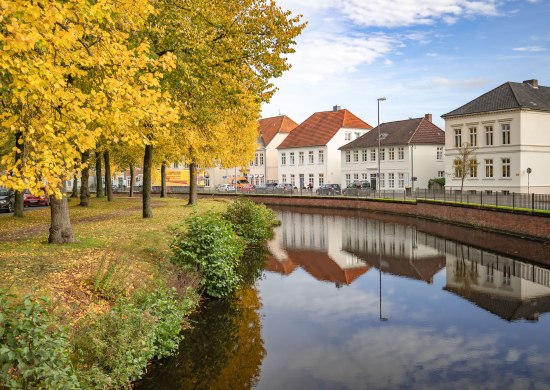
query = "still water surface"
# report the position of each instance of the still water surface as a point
(363, 302)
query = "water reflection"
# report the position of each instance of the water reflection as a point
(224, 350)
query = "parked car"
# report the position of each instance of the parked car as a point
(35, 200)
(358, 188)
(226, 188)
(247, 188)
(329, 189)
(267, 188)
(283, 188)
(6, 200)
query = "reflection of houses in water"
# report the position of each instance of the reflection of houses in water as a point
(313, 242)
(509, 288)
(396, 250)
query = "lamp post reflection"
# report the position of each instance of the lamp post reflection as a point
(380, 268)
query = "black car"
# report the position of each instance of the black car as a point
(7, 200)
(283, 188)
(329, 189)
(358, 188)
(268, 188)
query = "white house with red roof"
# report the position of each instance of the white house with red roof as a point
(271, 132)
(411, 148)
(310, 154)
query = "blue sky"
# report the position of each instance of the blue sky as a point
(424, 56)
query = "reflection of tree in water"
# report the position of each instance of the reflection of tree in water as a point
(464, 274)
(224, 350)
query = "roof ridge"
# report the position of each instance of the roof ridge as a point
(416, 129)
(509, 83)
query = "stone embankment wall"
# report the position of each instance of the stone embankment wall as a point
(518, 223)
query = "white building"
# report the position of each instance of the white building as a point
(509, 127)
(411, 148)
(271, 132)
(310, 152)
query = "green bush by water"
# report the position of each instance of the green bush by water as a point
(251, 221)
(211, 247)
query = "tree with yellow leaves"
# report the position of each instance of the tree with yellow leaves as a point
(64, 65)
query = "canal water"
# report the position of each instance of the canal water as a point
(362, 301)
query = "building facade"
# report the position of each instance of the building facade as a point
(411, 153)
(509, 129)
(310, 152)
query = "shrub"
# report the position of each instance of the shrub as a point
(112, 349)
(210, 247)
(253, 222)
(33, 352)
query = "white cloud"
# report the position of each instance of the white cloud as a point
(533, 49)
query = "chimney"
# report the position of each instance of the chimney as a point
(336, 108)
(533, 83)
(428, 117)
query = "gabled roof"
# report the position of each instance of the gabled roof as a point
(318, 129)
(409, 131)
(269, 127)
(508, 96)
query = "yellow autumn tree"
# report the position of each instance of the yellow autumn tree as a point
(62, 64)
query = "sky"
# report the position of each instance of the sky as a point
(424, 56)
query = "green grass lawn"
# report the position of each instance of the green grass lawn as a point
(108, 233)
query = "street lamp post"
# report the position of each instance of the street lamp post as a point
(381, 99)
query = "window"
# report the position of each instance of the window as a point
(489, 135)
(348, 179)
(373, 154)
(355, 156)
(261, 159)
(382, 154)
(489, 167)
(255, 162)
(391, 153)
(291, 158)
(321, 156)
(473, 168)
(311, 178)
(311, 157)
(348, 136)
(382, 184)
(357, 135)
(207, 181)
(356, 177)
(348, 156)
(364, 176)
(458, 168)
(302, 181)
(401, 180)
(401, 153)
(473, 136)
(321, 179)
(364, 155)
(505, 167)
(391, 181)
(440, 173)
(292, 179)
(458, 138)
(283, 158)
(301, 158)
(283, 178)
(440, 153)
(505, 133)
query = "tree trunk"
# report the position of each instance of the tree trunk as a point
(18, 204)
(74, 193)
(61, 231)
(146, 192)
(99, 181)
(192, 184)
(18, 200)
(132, 180)
(84, 185)
(163, 180)
(108, 182)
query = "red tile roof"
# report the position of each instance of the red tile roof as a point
(318, 129)
(269, 127)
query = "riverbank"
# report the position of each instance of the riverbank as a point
(116, 283)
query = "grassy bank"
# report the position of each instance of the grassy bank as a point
(115, 284)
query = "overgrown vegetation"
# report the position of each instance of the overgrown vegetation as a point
(440, 181)
(210, 247)
(252, 221)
